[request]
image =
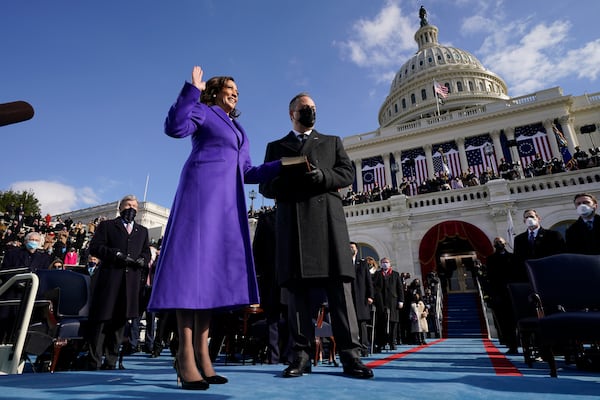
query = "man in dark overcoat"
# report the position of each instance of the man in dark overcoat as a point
(583, 236)
(312, 237)
(363, 294)
(124, 250)
(536, 241)
(389, 300)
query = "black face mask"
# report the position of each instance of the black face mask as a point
(499, 246)
(307, 117)
(128, 214)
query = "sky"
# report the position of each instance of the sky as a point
(101, 76)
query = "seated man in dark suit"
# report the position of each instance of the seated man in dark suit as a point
(28, 255)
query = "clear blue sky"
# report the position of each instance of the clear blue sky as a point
(101, 75)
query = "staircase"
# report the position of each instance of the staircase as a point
(462, 316)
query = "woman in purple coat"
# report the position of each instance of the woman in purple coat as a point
(205, 260)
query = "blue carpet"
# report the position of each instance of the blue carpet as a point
(459, 368)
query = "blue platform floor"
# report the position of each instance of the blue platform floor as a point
(462, 368)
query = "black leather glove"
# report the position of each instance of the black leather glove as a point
(315, 176)
(140, 262)
(121, 256)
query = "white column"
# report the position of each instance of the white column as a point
(429, 157)
(552, 139)
(359, 181)
(399, 173)
(514, 153)
(462, 154)
(387, 169)
(567, 125)
(495, 135)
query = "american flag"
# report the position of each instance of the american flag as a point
(452, 159)
(440, 89)
(532, 139)
(373, 171)
(419, 171)
(477, 160)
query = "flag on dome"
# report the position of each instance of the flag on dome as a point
(440, 89)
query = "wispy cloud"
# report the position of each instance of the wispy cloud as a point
(56, 197)
(381, 44)
(528, 53)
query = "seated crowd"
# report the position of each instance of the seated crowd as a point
(445, 181)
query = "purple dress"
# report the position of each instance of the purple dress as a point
(205, 259)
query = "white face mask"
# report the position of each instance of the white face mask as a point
(584, 210)
(531, 222)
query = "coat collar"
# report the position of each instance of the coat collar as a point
(235, 127)
(291, 142)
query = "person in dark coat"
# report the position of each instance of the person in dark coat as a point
(583, 236)
(363, 294)
(124, 250)
(312, 236)
(29, 255)
(536, 242)
(501, 269)
(389, 300)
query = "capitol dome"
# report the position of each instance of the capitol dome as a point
(412, 94)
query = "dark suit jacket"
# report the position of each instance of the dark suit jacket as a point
(109, 238)
(581, 240)
(388, 293)
(362, 289)
(312, 236)
(547, 243)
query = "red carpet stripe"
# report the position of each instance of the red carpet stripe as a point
(383, 361)
(501, 364)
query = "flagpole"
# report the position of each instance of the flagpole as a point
(146, 188)
(437, 99)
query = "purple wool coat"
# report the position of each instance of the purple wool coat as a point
(205, 259)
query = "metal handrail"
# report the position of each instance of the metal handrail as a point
(10, 354)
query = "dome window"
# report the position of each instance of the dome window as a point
(413, 99)
(412, 67)
(430, 59)
(395, 109)
(459, 86)
(423, 94)
(471, 87)
(421, 63)
(404, 104)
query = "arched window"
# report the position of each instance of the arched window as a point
(365, 250)
(423, 94)
(413, 99)
(404, 104)
(471, 87)
(459, 86)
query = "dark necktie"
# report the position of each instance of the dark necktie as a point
(531, 238)
(590, 224)
(303, 137)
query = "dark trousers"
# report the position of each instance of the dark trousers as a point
(302, 311)
(105, 339)
(365, 340)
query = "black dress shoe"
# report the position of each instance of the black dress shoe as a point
(215, 379)
(356, 369)
(107, 367)
(300, 365)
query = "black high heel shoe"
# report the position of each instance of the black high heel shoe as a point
(195, 385)
(215, 379)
